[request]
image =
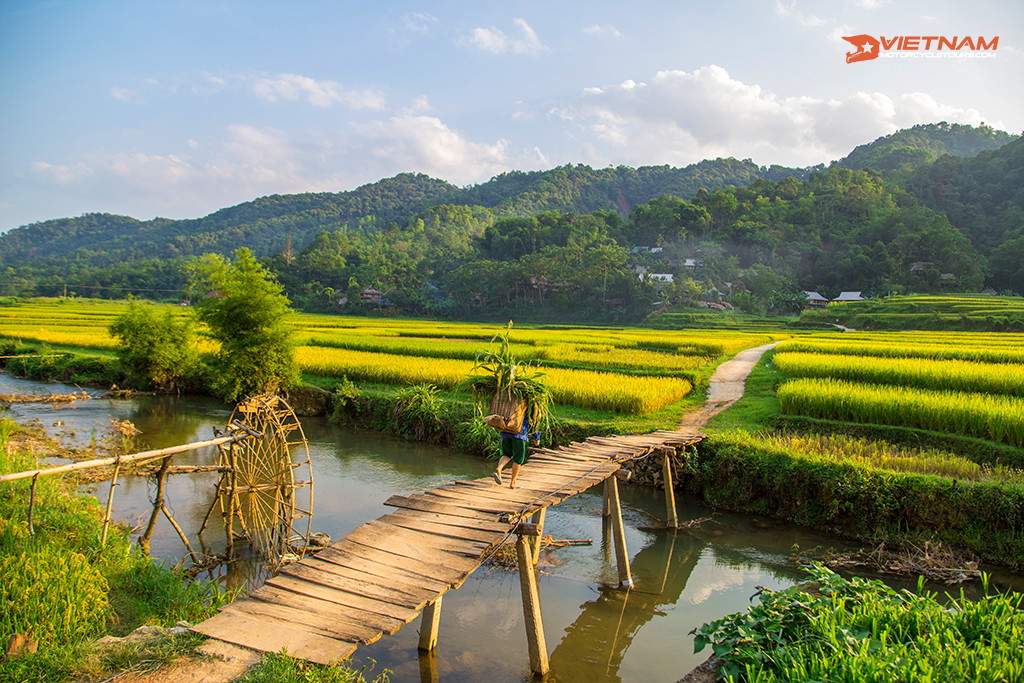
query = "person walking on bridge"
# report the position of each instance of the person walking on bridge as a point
(514, 450)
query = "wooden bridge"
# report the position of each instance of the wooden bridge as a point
(383, 574)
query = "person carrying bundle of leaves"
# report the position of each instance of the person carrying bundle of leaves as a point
(517, 401)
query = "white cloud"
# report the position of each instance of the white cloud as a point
(804, 19)
(680, 117)
(424, 143)
(602, 30)
(869, 4)
(318, 93)
(495, 41)
(128, 95)
(62, 173)
(418, 22)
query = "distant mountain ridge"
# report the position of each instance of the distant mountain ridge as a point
(269, 224)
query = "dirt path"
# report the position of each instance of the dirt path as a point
(725, 387)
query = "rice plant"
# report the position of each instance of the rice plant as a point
(992, 378)
(997, 418)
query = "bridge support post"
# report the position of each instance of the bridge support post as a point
(431, 621)
(531, 604)
(538, 519)
(671, 516)
(611, 492)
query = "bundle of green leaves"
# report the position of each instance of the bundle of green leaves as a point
(503, 372)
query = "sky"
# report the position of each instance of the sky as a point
(179, 108)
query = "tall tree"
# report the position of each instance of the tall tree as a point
(246, 312)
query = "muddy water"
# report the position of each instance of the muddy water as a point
(593, 632)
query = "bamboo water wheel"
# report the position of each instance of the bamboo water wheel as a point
(265, 492)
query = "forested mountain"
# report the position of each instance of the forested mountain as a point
(581, 243)
(270, 224)
(983, 196)
(922, 144)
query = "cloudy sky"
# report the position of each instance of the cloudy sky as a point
(178, 108)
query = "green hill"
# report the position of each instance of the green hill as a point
(922, 144)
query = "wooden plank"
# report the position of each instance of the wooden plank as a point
(509, 499)
(341, 606)
(459, 532)
(337, 628)
(353, 582)
(450, 520)
(472, 502)
(390, 540)
(435, 504)
(401, 613)
(460, 546)
(269, 636)
(397, 578)
(344, 550)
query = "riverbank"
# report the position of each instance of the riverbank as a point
(73, 607)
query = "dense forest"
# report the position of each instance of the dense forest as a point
(931, 208)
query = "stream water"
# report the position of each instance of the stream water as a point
(593, 632)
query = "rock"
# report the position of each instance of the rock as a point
(319, 539)
(21, 644)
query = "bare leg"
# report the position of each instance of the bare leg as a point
(497, 470)
(515, 473)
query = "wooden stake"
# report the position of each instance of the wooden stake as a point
(671, 516)
(531, 608)
(110, 504)
(181, 534)
(538, 519)
(32, 505)
(431, 621)
(230, 521)
(611, 488)
(161, 479)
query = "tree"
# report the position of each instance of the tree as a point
(246, 313)
(156, 350)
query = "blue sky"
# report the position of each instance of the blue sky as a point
(160, 108)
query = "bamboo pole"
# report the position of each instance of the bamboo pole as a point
(618, 532)
(110, 503)
(672, 516)
(531, 608)
(230, 522)
(181, 534)
(431, 622)
(161, 479)
(103, 462)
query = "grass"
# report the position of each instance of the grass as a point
(854, 630)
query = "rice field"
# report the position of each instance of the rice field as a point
(943, 375)
(997, 418)
(623, 370)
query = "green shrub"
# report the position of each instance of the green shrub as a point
(739, 471)
(853, 630)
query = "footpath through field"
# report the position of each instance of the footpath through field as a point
(379, 577)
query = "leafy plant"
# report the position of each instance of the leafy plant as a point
(851, 630)
(503, 372)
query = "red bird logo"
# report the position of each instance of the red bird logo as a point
(867, 48)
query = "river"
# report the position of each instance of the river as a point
(593, 632)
